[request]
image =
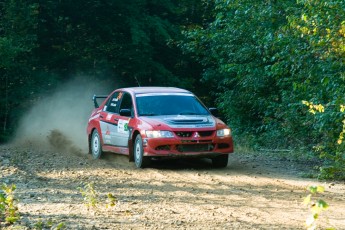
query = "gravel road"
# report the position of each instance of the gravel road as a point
(255, 191)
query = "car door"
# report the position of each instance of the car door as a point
(109, 120)
(123, 118)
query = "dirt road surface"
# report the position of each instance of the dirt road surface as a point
(255, 191)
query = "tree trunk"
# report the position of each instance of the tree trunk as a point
(6, 104)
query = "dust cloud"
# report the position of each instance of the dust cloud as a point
(59, 121)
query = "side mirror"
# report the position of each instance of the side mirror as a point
(125, 112)
(214, 111)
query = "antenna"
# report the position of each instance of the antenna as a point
(137, 81)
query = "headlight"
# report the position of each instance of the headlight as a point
(159, 134)
(223, 132)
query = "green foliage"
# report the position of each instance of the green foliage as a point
(238, 49)
(259, 59)
(330, 122)
(39, 225)
(322, 25)
(44, 43)
(130, 45)
(8, 208)
(49, 224)
(111, 200)
(91, 197)
(316, 207)
(263, 58)
(18, 39)
(60, 226)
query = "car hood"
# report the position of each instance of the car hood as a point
(182, 121)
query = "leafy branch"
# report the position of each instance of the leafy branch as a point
(8, 208)
(316, 207)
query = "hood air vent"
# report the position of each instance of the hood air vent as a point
(187, 120)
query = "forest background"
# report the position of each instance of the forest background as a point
(275, 69)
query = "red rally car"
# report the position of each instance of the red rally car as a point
(155, 122)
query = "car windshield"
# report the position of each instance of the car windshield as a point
(169, 104)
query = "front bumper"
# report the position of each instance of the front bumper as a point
(183, 147)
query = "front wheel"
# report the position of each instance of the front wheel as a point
(139, 159)
(96, 147)
(220, 161)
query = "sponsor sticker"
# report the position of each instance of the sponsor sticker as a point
(119, 96)
(107, 141)
(108, 118)
(107, 137)
(108, 131)
(122, 126)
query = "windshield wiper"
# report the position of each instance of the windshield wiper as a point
(189, 113)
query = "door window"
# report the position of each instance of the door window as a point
(113, 103)
(126, 102)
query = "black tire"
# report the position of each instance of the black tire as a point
(139, 159)
(220, 161)
(96, 146)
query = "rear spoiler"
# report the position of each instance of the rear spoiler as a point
(95, 97)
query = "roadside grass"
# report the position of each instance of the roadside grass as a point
(92, 198)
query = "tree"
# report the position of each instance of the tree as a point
(17, 38)
(265, 58)
(125, 43)
(237, 49)
(322, 26)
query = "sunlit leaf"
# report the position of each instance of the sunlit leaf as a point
(320, 189)
(322, 204)
(312, 189)
(307, 199)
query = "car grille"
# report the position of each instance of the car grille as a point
(163, 147)
(206, 133)
(223, 145)
(190, 134)
(195, 148)
(184, 134)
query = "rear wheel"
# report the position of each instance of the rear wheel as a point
(139, 159)
(220, 161)
(96, 147)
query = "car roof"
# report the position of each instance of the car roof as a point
(141, 90)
